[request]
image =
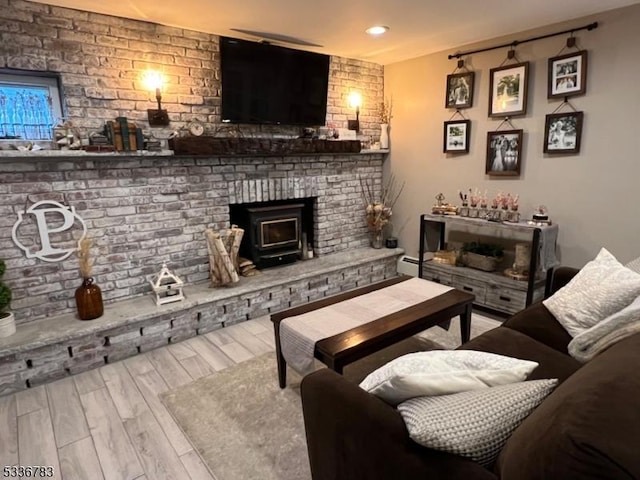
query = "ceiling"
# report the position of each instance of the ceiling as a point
(418, 27)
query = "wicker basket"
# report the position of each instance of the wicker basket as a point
(480, 262)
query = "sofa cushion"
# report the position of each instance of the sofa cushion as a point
(509, 342)
(473, 424)
(537, 322)
(587, 428)
(603, 287)
(441, 372)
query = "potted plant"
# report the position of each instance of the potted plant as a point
(482, 256)
(7, 320)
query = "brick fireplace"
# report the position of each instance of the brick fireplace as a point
(143, 211)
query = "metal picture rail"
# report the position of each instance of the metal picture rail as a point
(515, 43)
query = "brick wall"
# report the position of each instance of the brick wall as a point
(101, 60)
(143, 211)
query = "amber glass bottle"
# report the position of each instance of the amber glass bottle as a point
(89, 300)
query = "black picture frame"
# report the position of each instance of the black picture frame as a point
(563, 132)
(504, 153)
(456, 136)
(508, 90)
(567, 75)
(459, 92)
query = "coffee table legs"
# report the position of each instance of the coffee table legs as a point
(282, 364)
(465, 323)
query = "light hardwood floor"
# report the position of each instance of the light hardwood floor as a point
(110, 424)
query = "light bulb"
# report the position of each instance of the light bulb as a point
(355, 100)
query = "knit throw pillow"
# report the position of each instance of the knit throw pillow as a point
(474, 424)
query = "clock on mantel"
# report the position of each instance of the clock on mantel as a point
(195, 128)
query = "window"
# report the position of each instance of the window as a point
(30, 105)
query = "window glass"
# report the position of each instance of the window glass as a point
(29, 107)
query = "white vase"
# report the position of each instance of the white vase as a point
(384, 135)
(7, 325)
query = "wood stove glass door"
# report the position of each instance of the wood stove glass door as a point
(277, 233)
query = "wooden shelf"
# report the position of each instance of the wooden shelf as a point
(260, 146)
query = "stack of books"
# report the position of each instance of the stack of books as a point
(124, 135)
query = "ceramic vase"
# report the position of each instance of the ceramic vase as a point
(89, 300)
(384, 135)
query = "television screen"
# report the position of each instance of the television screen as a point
(263, 83)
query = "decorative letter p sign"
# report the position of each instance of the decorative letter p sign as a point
(55, 224)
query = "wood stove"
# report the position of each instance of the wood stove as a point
(273, 233)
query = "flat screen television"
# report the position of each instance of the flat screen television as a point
(268, 84)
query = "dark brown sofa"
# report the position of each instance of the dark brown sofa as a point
(588, 428)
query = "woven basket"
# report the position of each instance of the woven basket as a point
(480, 262)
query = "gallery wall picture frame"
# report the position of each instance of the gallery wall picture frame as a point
(504, 152)
(562, 132)
(508, 90)
(459, 92)
(456, 136)
(567, 75)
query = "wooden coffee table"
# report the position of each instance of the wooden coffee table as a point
(347, 347)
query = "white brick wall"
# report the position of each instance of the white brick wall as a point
(146, 211)
(101, 59)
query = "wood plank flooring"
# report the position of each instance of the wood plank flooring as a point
(109, 423)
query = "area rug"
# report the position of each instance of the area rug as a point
(242, 424)
(246, 428)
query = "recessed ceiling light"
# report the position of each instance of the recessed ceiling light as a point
(377, 30)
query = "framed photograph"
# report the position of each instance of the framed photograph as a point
(504, 152)
(508, 88)
(456, 136)
(562, 132)
(567, 75)
(460, 90)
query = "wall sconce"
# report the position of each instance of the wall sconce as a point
(355, 101)
(159, 117)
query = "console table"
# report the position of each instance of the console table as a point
(492, 289)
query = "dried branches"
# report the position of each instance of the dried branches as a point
(385, 111)
(379, 210)
(388, 195)
(84, 257)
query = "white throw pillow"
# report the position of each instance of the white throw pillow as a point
(442, 372)
(603, 287)
(473, 424)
